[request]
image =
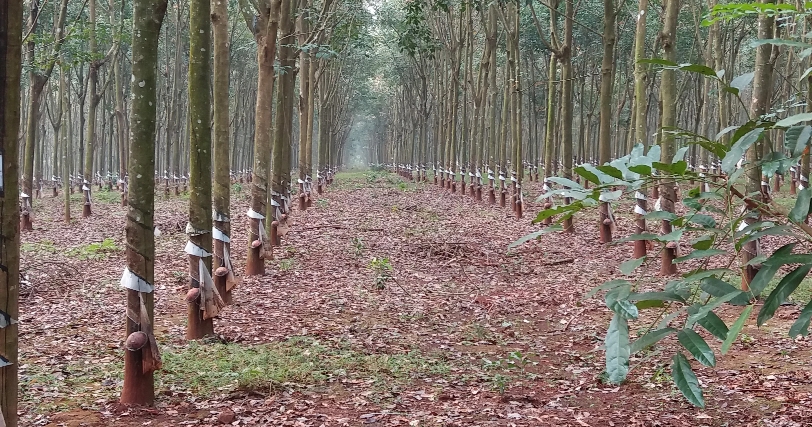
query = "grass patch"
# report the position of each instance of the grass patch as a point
(43, 246)
(299, 361)
(94, 251)
(98, 196)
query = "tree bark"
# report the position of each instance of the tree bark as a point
(140, 252)
(10, 67)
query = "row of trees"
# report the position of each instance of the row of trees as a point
(241, 123)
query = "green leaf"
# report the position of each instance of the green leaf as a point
(644, 170)
(612, 284)
(713, 324)
(801, 326)
(670, 237)
(794, 120)
(737, 150)
(651, 338)
(703, 310)
(785, 287)
(742, 81)
(697, 347)
(796, 139)
(780, 230)
(719, 288)
(655, 296)
(800, 211)
(617, 350)
(706, 221)
(769, 268)
(632, 264)
(535, 235)
(588, 175)
(699, 254)
(660, 215)
(736, 328)
(611, 171)
(617, 301)
(680, 154)
(565, 182)
(686, 381)
(702, 242)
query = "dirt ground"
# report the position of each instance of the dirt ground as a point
(388, 304)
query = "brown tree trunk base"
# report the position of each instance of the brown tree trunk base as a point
(56, 193)
(86, 211)
(518, 210)
(138, 387)
(26, 224)
(605, 223)
(123, 199)
(302, 202)
(502, 198)
(548, 220)
(491, 196)
(667, 267)
(196, 326)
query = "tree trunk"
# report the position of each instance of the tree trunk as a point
(762, 82)
(668, 97)
(222, 164)
(10, 66)
(200, 322)
(139, 365)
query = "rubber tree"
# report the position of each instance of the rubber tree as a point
(668, 99)
(222, 163)
(141, 357)
(11, 20)
(37, 79)
(607, 83)
(203, 300)
(265, 33)
(283, 131)
(640, 116)
(760, 101)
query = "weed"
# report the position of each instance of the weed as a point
(236, 188)
(383, 271)
(322, 203)
(94, 251)
(358, 246)
(43, 246)
(286, 264)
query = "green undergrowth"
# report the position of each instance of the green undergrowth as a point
(297, 362)
(94, 251)
(204, 369)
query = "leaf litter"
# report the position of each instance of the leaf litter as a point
(461, 332)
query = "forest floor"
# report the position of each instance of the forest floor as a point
(460, 332)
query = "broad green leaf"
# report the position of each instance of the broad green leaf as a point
(796, 139)
(801, 209)
(713, 324)
(697, 347)
(769, 268)
(785, 287)
(686, 381)
(698, 68)
(706, 221)
(671, 237)
(608, 196)
(699, 254)
(617, 350)
(668, 319)
(703, 242)
(703, 310)
(612, 284)
(794, 120)
(742, 81)
(680, 154)
(801, 326)
(628, 266)
(651, 338)
(589, 176)
(736, 328)
(737, 150)
(611, 171)
(779, 230)
(644, 170)
(535, 235)
(805, 74)
(660, 215)
(719, 288)
(658, 296)
(565, 182)
(561, 209)
(617, 301)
